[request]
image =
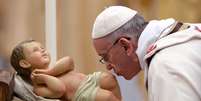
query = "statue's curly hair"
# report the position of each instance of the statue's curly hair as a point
(16, 56)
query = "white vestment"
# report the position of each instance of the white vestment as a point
(174, 73)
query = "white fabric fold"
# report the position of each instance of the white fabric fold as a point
(25, 91)
(149, 36)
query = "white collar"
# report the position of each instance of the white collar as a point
(149, 35)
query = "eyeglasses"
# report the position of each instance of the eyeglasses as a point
(104, 58)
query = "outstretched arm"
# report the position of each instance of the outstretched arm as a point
(48, 86)
(109, 82)
(105, 95)
(63, 65)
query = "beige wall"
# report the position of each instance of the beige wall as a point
(24, 19)
(77, 18)
(20, 20)
(182, 10)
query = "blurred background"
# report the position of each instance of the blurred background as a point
(64, 26)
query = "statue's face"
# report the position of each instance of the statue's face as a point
(36, 55)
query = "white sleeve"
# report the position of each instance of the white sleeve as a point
(172, 77)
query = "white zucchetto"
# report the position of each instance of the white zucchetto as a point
(111, 19)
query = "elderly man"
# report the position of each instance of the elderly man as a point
(168, 51)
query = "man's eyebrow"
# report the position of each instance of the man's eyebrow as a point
(101, 54)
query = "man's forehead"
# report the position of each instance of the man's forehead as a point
(101, 45)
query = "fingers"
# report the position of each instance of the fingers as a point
(38, 78)
(38, 75)
(34, 76)
(40, 71)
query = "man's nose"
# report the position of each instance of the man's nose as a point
(109, 66)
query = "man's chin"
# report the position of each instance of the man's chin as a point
(128, 77)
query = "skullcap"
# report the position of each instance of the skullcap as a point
(111, 19)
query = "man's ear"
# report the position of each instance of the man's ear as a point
(127, 44)
(24, 64)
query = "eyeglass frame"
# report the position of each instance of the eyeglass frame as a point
(102, 60)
